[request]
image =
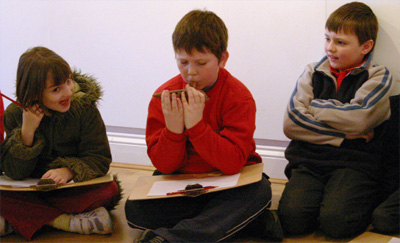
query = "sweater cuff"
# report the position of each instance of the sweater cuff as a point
(197, 129)
(174, 136)
(20, 151)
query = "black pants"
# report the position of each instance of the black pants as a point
(340, 202)
(207, 218)
(385, 218)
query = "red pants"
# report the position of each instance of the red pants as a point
(27, 212)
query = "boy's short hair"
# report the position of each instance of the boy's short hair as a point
(33, 67)
(201, 29)
(357, 18)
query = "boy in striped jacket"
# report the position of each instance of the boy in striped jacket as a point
(333, 118)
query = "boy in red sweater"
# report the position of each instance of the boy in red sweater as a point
(1, 120)
(195, 135)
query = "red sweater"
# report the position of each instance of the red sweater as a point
(1, 119)
(221, 141)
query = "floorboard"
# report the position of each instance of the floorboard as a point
(128, 175)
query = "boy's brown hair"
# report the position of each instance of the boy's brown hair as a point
(201, 29)
(33, 67)
(357, 18)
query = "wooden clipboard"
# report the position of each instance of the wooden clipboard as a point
(249, 174)
(107, 178)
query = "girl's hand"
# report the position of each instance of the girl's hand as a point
(59, 175)
(193, 107)
(173, 112)
(31, 119)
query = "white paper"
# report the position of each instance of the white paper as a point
(7, 181)
(394, 240)
(161, 188)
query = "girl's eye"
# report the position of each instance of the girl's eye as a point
(202, 63)
(183, 62)
(56, 89)
(341, 43)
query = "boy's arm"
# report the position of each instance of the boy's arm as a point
(369, 107)
(229, 148)
(300, 123)
(165, 148)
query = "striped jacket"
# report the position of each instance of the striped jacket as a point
(319, 116)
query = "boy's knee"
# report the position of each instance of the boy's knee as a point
(339, 224)
(384, 223)
(294, 220)
(132, 213)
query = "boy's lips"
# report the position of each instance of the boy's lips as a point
(332, 57)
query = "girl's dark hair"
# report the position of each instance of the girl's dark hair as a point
(201, 29)
(33, 67)
(357, 18)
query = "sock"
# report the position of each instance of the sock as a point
(62, 222)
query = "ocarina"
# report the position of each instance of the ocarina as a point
(178, 92)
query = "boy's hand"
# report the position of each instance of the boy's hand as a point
(367, 137)
(173, 112)
(59, 175)
(194, 107)
(31, 119)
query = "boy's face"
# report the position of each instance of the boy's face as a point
(58, 97)
(200, 67)
(344, 51)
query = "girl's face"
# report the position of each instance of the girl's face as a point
(58, 97)
(200, 67)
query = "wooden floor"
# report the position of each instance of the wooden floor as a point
(123, 233)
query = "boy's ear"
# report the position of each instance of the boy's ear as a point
(367, 46)
(224, 59)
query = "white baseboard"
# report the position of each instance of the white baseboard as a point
(132, 149)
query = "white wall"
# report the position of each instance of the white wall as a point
(127, 46)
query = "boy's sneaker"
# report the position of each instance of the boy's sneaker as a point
(149, 236)
(97, 221)
(5, 227)
(272, 225)
(266, 226)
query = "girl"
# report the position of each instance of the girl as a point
(59, 135)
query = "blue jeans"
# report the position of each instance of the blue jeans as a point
(207, 218)
(338, 201)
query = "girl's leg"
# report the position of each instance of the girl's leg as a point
(26, 211)
(85, 198)
(89, 203)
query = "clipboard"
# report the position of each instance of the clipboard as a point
(49, 186)
(248, 175)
